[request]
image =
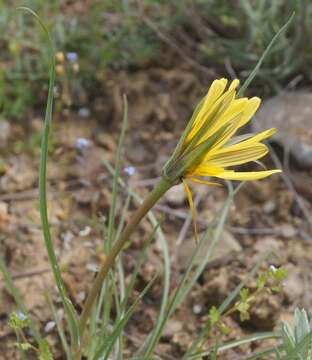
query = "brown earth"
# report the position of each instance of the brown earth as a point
(266, 215)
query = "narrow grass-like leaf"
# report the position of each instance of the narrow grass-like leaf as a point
(288, 337)
(214, 352)
(106, 346)
(188, 280)
(108, 300)
(302, 327)
(263, 354)
(60, 327)
(112, 211)
(136, 270)
(301, 349)
(120, 295)
(111, 220)
(263, 56)
(68, 307)
(91, 336)
(236, 343)
(164, 248)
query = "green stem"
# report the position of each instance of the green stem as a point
(159, 190)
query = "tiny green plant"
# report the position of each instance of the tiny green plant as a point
(268, 281)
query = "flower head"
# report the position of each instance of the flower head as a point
(208, 147)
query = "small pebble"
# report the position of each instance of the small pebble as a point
(81, 296)
(49, 326)
(88, 244)
(92, 267)
(4, 212)
(269, 207)
(60, 314)
(84, 112)
(197, 309)
(5, 130)
(85, 231)
(176, 195)
(288, 231)
(67, 238)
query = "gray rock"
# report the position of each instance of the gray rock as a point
(293, 285)
(291, 114)
(172, 327)
(5, 129)
(226, 246)
(176, 195)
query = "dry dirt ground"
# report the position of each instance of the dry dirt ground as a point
(266, 215)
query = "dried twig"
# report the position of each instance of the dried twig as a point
(34, 193)
(29, 273)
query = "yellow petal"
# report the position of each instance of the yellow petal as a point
(206, 170)
(234, 84)
(246, 106)
(228, 132)
(193, 210)
(235, 107)
(204, 182)
(206, 112)
(249, 175)
(250, 108)
(229, 157)
(215, 91)
(252, 140)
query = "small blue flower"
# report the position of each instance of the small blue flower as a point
(72, 56)
(129, 170)
(82, 143)
(21, 315)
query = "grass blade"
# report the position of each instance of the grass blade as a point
(188, 279)
(164, 248)
(263, 56)
(235, 343)
(111, 219)
(68, 307)
(112, 212)
(107, 346)
(60, 328)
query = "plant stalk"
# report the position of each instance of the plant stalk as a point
(159, 190)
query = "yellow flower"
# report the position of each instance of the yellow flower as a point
(207, 147)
